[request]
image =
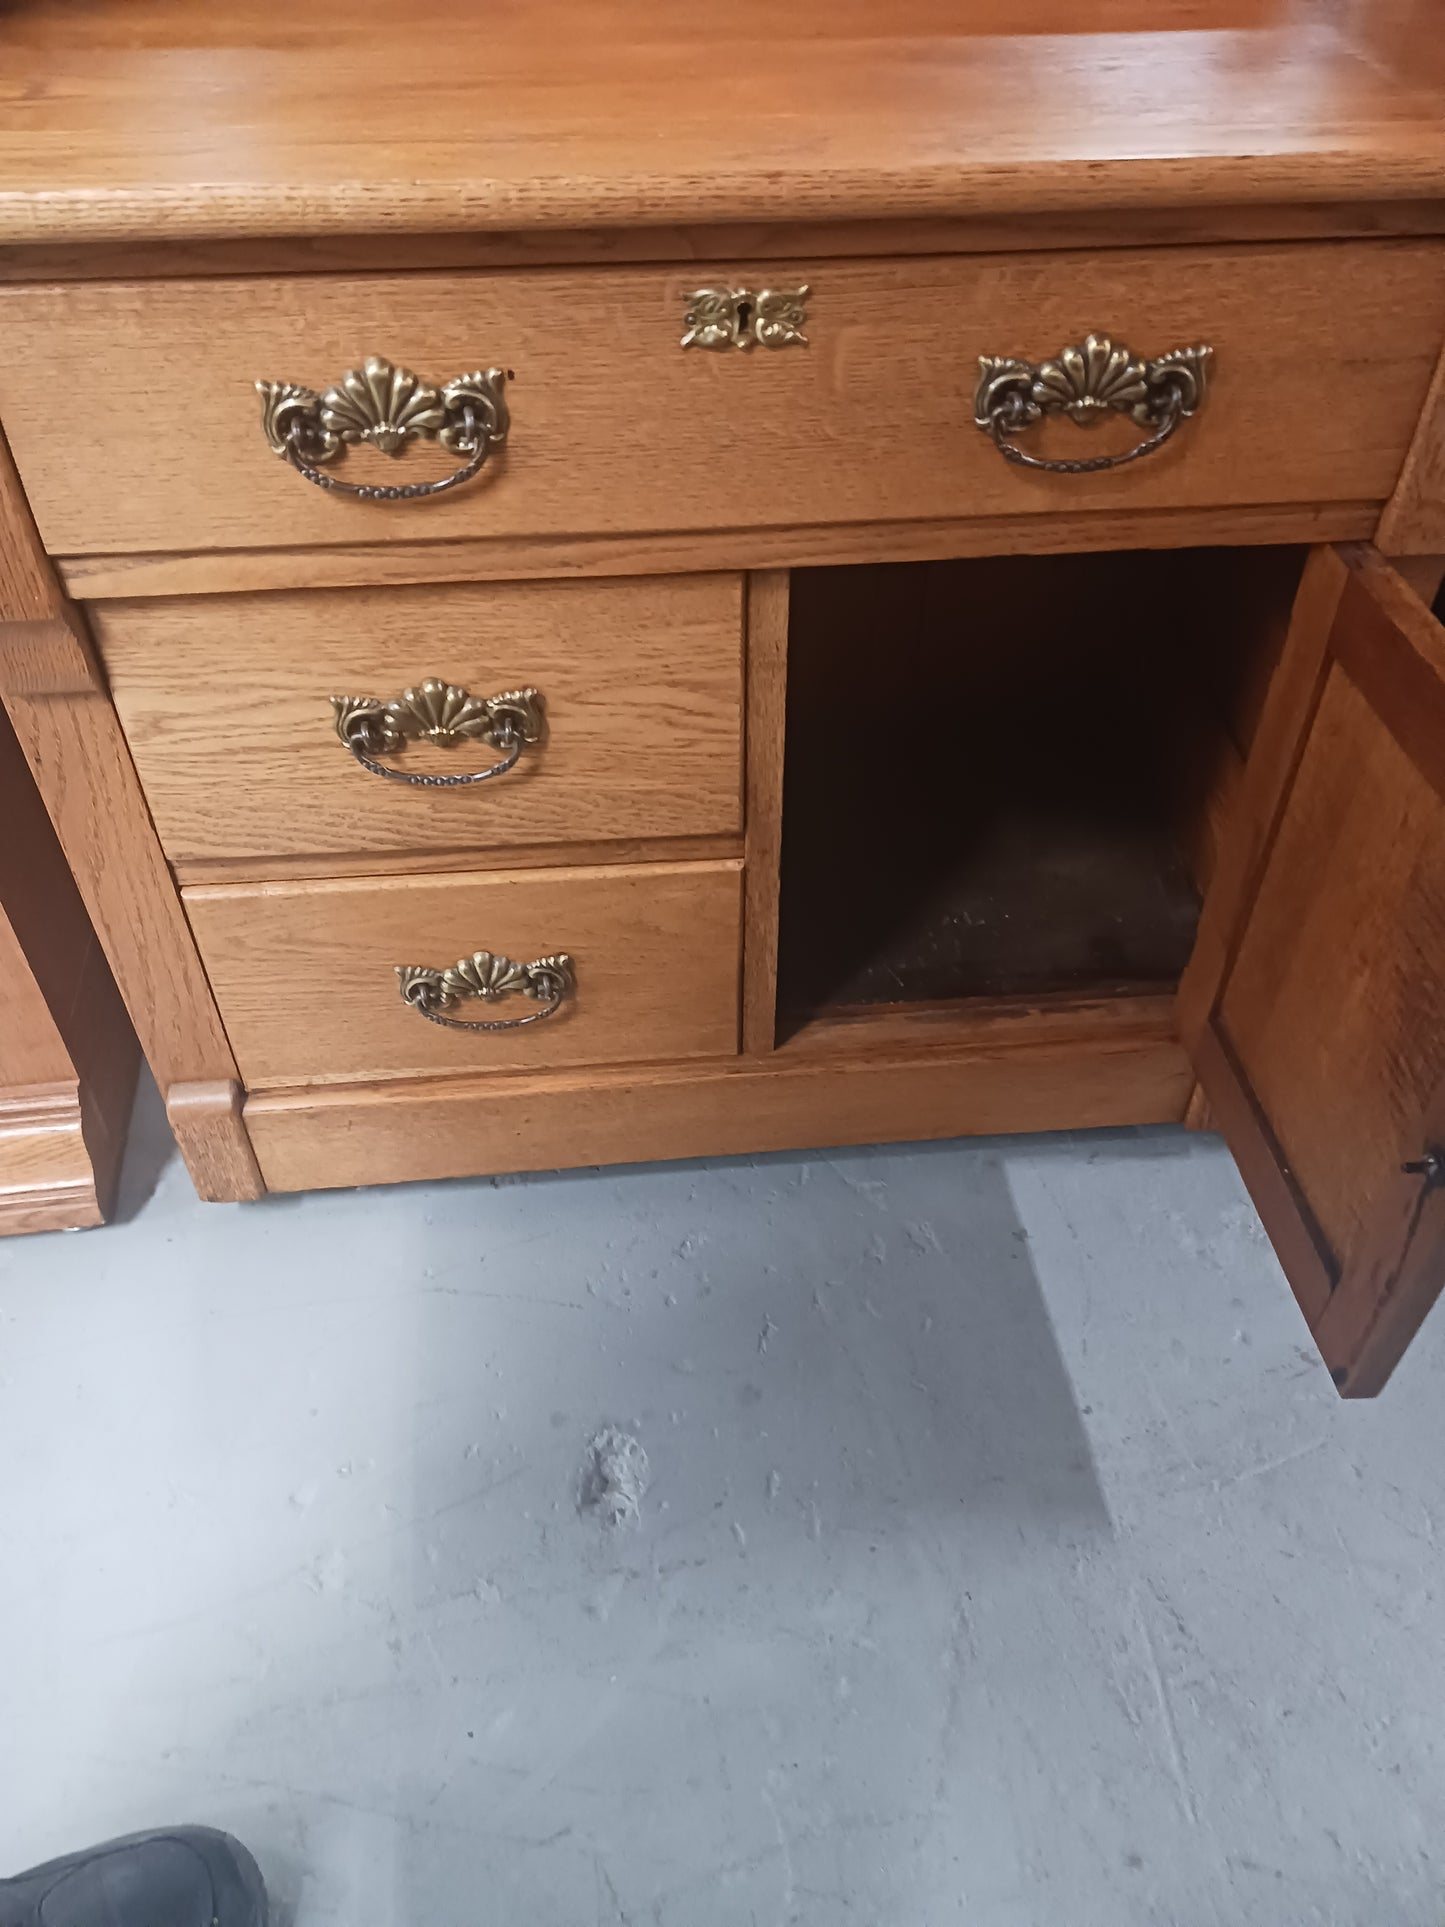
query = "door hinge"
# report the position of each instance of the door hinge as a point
(1431, 1168)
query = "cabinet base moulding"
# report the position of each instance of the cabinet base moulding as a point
(54, 1176)
(381, 1134)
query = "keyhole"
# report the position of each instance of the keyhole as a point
(745, 318)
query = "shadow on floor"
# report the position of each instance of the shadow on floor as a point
(150, 1147)
(851, 1398)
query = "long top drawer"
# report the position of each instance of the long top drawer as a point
(133, 414)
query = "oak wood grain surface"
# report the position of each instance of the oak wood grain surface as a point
(1413, 522)
(225, 706)
(1314, 1005)
(225, 571)
(205, 1115)
(881, 1032)
(48, 1181)
(1108, 1067)
(755, 241)
(55, 695)
(305, 973)
(515, 856)
(70, 735)
(44, 932)
(616, 427)
(1325, 1004)
(1276, 745)
(137, 119)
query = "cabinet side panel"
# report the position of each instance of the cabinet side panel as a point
(71, 738)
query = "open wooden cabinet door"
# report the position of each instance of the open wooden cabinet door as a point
(1314, 1003)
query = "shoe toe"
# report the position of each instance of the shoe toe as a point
(177, 1877)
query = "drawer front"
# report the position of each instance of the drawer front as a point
(225, 701)
(305, 973)
(1323, 353)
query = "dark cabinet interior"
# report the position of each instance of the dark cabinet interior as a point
(1005, 777)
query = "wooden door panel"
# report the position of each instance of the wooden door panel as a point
(1309, 955)
(1315, 1003)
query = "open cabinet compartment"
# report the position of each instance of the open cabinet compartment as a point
(1055, 787)
(1004, 777)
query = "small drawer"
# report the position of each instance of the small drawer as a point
(1323, 352)
(226, 704)
(306, 974)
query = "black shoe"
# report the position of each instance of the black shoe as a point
(174, 1877)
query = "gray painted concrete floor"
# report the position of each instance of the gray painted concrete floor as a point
(1008, 1558)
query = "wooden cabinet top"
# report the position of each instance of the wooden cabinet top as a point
(159, 120)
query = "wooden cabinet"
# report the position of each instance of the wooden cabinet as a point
(883, 630)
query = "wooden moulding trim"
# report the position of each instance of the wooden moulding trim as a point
(54, 1207)
(61, 1146)
(459, 1128)
(46, 1178)
(602, 247)
(58, 1208)
(227, 571)
(40, 1107)
(629, 200)
(194, 871)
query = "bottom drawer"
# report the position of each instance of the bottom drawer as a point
(305, 973)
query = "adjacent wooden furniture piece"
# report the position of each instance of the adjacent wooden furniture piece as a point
(68, 1054)
(653, 580)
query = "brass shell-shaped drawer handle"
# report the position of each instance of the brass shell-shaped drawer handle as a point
(389, 407)
(549, 981)
(1087, 383)
(442, 713)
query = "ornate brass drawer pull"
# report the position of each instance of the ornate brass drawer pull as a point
(445, 714)
(432, 993)
(1086, 384)
(388, 407)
